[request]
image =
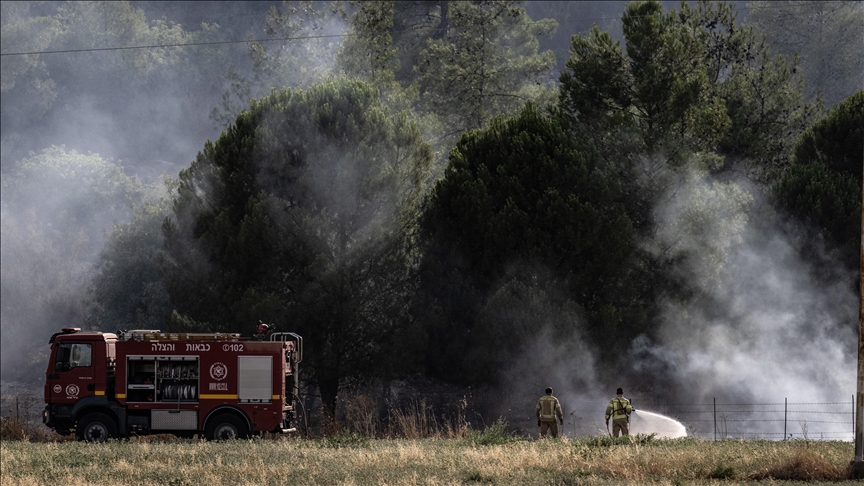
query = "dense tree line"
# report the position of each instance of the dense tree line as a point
(423, 199)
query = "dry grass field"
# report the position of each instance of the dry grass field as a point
(416, 448)
(489, 457)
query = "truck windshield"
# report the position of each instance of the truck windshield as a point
(71, 355)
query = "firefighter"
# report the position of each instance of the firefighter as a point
(547, 409)
(619, 409)
(261, 331)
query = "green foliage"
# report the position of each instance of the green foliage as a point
(823, 188)
(523, 205)
(691, 81)
(302, 214)
(83, 25)
(27, 76)
(486, 64)
(762, 94)
(764, 101)
(285, 63)
(495, 434)
(370, 54)
(128, 290)
(453, 65)
(659, 88)
(824, 198)
(703, 223)
(528, 165)
(837, 141)
(415, 22)
(691, 95)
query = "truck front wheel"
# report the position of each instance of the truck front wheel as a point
(225, 427)
(96, 427)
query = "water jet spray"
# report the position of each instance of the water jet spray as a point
(654, 423)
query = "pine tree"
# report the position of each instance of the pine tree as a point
(302, 214)
(521, 202)
(486, 64)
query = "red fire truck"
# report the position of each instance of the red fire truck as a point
(104, 385)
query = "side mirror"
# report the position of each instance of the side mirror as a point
(62, 367)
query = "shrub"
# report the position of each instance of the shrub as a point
(11, 429)
(495, 434)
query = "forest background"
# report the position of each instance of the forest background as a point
(486, 198)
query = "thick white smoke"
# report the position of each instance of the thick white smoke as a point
(758, 328)
(762, 328)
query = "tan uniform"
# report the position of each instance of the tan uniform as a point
(547, 409)
(619, 409)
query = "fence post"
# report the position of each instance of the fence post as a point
(785, 414)
(715, 419)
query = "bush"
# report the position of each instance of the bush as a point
(12, 428)
(495, 434)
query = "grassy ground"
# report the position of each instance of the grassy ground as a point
(491, 457)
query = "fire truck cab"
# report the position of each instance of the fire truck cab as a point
(109, 385)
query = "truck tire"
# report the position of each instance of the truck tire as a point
(225, 427)
(96, 427)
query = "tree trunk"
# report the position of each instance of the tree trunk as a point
(329, 388)
(382, 404)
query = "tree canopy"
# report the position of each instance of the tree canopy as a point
(128, 290)
(521, 200)
(823, 187)
(302, 215)
(685, 83)
(487, 63)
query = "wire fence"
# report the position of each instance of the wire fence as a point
(771, 420)
(22, 407)
(717, 420)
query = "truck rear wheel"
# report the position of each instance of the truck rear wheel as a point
(225, 427)
(96, 427)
